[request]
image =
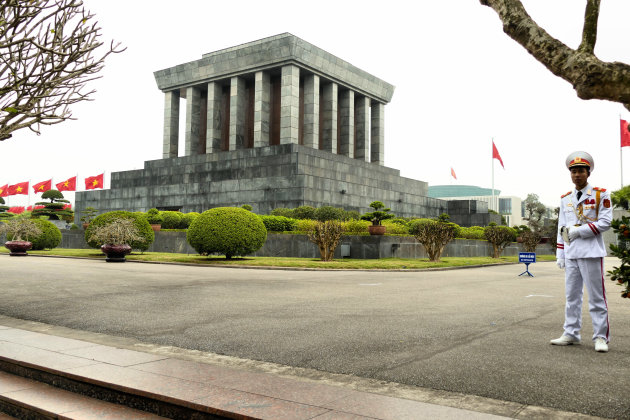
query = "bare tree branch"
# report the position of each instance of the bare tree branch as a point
(589, 33)
(590, 77)
(47, 56)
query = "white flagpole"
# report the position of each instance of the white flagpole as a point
(620, 155)
(492, 204)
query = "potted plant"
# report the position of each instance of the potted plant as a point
(87, 215)
(379, 214)
(115, 238)
(155, 219)
(19, 231)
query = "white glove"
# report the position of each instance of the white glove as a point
(560, 263)
(573, 233)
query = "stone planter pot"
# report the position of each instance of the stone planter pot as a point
(115, 253)
(156, 228)
(377, 229)
(85, 225)
(18, 248)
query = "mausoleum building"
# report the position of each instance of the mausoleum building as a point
(272, 123)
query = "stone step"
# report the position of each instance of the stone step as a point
(31, 391)
(27, 398)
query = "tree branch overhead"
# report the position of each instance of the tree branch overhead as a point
(47, 56)
(590, 77)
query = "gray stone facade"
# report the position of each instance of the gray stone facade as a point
(286, 175)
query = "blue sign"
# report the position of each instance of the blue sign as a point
(527, 257)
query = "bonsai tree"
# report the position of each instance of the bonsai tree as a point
(140, 222)
(119, 231)
(4, 214)
(154, 217)
(379, 214)
(20, 229)
(55, 208)
(88, 214)
(326, 236)
(231, 231)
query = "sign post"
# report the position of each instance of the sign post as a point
(527, 258)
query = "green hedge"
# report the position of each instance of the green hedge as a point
(171, 219)
(187, 219)
(140, 221)
(355, 227)
(473, 232)
(279, 223)
(231, 231)
(306, 225)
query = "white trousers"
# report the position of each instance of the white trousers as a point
(587, 272)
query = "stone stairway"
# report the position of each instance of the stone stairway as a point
(45, 376)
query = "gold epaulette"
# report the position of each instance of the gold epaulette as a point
(562, 196)
(599, 189)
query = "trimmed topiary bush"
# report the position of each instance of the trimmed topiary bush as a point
(49, 238)
(279, 223)
(187, 219)
(325, 213)
(433, 235)
(304, 212)
(154, 217)
(140, 221)
(231, 231)
(500, 237)
(171, 219)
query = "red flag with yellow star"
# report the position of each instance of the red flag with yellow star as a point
(43, 186)
(4, 190)
(69, 184)
(17, 189)
(94, 182)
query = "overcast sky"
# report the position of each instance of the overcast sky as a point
(459, 82)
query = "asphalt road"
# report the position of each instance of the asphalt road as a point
(479, 331)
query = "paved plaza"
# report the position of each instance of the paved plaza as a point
(478, 331)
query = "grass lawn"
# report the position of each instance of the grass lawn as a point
(352, 264)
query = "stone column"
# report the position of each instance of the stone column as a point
(311, 111)
(329, 118)
(171, 124)
(262, 108)
(237, 113)
(362, 118)
(193, 118)
(290, 104)
(346, 123)
(377, 131)
(213, 118)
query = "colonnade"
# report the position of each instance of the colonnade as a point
(276, 106)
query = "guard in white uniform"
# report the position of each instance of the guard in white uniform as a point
(585, 213)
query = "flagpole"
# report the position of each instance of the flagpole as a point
(620, 155)
(492, 162)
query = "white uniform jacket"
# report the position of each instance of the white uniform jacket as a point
(591, 225)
